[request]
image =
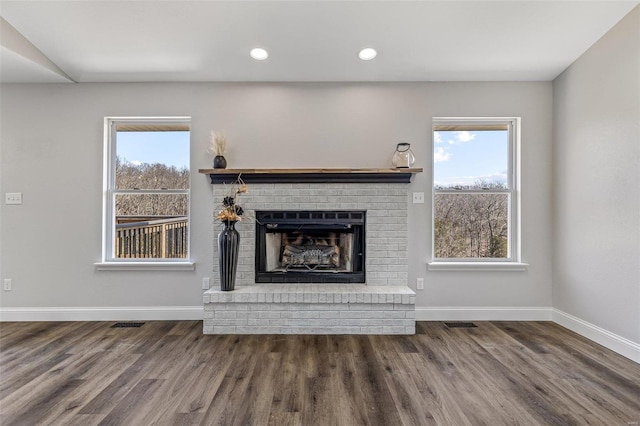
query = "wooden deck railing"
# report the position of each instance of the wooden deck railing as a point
(165, 238)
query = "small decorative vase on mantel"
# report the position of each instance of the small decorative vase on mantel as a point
(228, 246)
(403, 157)
(219, 162)
(217, 147)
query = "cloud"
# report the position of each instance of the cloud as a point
(437, 138)
(440, 155)
(136, 162)
(461, 137)
(464, 136)
(498, 177)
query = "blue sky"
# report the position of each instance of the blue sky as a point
(463, 157)
(460, 157)
(170, 148)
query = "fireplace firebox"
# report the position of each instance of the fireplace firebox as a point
(310, 246)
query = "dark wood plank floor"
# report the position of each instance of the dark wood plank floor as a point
(168, 373)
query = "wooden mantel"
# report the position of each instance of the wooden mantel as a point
(312, 175)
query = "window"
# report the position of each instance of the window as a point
(146, 189)
(475, 191)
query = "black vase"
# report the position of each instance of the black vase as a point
(219, 162)
(228, 245)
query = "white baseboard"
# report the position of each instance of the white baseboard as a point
(453, 313)
(128, 313)
(619, 344)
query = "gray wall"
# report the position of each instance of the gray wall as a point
(596, 274)
(52, 141)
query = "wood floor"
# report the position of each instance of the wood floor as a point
(169, 373)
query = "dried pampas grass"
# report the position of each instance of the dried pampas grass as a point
(218, 143)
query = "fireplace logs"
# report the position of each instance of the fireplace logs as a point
(310, 256)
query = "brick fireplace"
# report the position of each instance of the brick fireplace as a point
(380, 304)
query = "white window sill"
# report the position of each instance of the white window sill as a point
(477, 266)
(145, 266)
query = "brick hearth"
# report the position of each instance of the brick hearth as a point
(311, 309)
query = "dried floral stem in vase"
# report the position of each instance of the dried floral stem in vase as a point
(231, 211)
(218, 143)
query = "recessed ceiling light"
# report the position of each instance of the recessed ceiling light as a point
(367, 54)
(259, 54)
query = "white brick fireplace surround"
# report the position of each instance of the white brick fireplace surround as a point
(383, 305)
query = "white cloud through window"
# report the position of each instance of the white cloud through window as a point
(464, 136)
(461, 136)
(440, 155)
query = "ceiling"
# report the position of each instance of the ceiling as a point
(135, 41)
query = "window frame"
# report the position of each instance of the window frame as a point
(109, 261)
(513, 261)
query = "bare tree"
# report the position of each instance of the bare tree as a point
(151, 176)
(472, 225)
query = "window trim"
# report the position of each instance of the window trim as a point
(514, 261)
(108, 261)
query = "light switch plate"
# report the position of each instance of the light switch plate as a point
(418, 198)
(13, 198)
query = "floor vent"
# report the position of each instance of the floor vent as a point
(127, 325)
(460, 324)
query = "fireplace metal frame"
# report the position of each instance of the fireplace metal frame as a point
(269, 220)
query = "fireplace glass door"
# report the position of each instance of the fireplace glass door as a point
(310, 246)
